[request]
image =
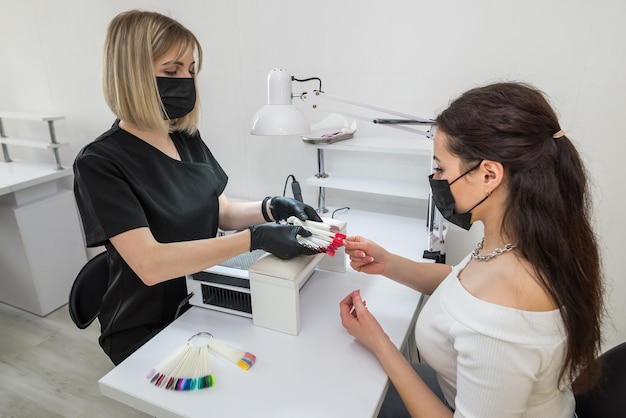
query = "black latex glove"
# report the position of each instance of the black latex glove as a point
(284, 207)
(279, 239)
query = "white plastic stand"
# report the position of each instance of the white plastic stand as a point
(275, 289)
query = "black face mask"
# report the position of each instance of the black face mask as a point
(444, 201)
(178, 96)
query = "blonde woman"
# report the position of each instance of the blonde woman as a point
(150, 190)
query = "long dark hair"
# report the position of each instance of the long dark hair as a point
(548, 207)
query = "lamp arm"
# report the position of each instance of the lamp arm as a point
(315, 98)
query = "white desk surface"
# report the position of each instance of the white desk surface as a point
(18, 175)
(323, 372)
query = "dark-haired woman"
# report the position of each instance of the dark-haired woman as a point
(508, 329)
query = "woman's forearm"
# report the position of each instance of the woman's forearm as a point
(421, 276)
(236, 216)
(156, 262)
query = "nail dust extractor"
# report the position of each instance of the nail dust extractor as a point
(265, 288)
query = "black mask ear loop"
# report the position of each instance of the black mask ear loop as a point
(473, 207)
(467, 172)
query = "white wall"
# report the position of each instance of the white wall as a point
(410, 55)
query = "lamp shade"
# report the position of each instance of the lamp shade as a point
(279, 116)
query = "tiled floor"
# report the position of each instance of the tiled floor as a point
(49, 368)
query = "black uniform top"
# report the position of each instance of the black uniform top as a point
(121, 182)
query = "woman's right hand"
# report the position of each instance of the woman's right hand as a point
(366, 256)
(280, 240)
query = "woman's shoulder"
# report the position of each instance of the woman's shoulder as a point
(509, 281)
(106, 145)
(473, 316)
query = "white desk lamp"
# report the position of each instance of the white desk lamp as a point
(280, 117)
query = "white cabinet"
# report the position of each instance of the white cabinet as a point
(41, 252)
(41, 242)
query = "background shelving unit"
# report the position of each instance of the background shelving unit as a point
(51, 143)
(414, 187)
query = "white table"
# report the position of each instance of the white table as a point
(19, 176)
(322, 372)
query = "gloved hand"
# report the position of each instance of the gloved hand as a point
(279, 239)
(284, 207)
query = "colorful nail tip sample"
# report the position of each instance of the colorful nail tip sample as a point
(247, 361)
(324, 238)
(188, 368)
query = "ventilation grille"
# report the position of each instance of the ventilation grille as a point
(225, 291)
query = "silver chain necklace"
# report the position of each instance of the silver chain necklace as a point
(508, 247)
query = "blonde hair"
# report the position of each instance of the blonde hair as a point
(134, 40)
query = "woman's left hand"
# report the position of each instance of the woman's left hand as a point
(284, 207)
(360, 323)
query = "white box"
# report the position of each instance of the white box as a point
(274, 286)
(275, 290)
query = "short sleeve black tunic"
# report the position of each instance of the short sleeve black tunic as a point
(122, 183)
